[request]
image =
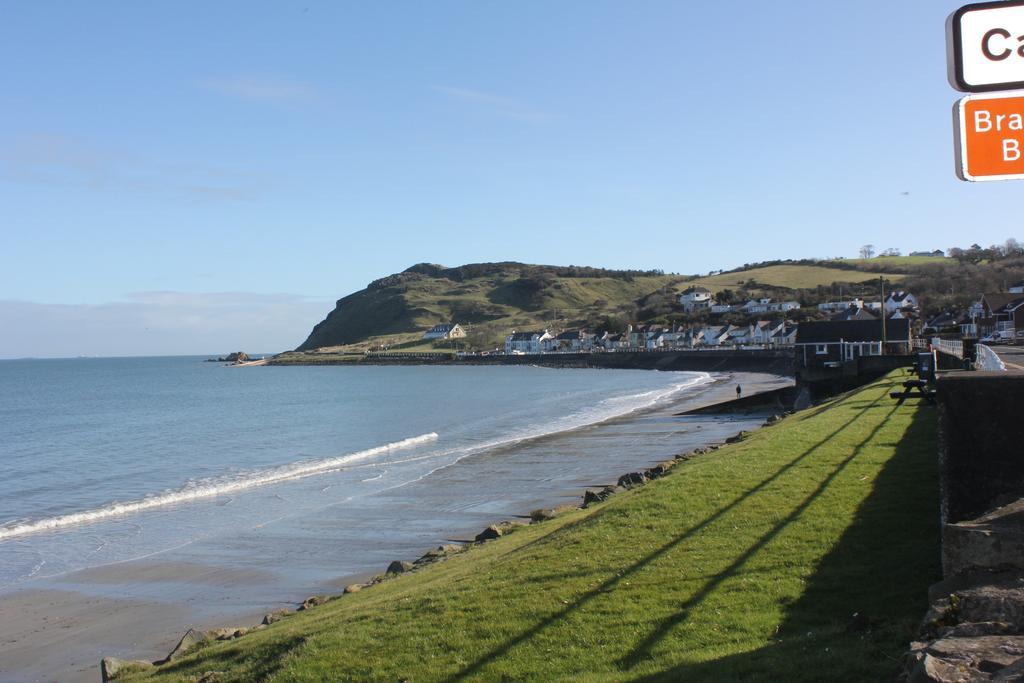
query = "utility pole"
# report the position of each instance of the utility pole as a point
(881, 289)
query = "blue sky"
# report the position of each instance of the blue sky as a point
(201, 177)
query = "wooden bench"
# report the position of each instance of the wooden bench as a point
(914, 388)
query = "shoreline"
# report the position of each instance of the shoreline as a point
(52, 622)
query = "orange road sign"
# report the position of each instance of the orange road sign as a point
(990, 136)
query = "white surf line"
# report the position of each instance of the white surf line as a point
(254, 480)
(702, 379)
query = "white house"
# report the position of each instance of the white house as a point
(741, 335)
(445, 331)
(764, 331)
(526, 342)
(573, 340)
(769, 306)
(695, 299)
(714, 335)
(655, 337)
(614, 342)
(899, 300)
(786, 336)
(757, 306)
(838, 306)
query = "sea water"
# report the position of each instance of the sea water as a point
(109, 460)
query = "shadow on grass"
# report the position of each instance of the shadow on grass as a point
(861, 607)
(643, 650)
(258, 664)
(472, 669)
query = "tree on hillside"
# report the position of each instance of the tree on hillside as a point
(867, 251)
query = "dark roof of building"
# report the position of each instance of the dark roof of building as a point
(1003, 301)
(525, 336)
(574, 334)
(820, 332)
(944, 319)
(853, 313)
(443, 327)
(899, 296)
(695, 289)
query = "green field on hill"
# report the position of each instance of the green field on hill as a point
(791, 277)
(802, 553)
(897, 263)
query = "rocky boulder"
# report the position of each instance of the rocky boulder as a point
(489, 534)
(950, 660)
(993, 541)
(440, 552)
(591, 497)
(313, 601)
(112, 667)
(189, 641)
(400, 567)
(542, 515)
(628, 481)
(736, 438)
(276, 615)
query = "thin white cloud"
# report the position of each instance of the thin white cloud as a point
(61, 160)
(498, 104)
(262, 89)
(160, 323)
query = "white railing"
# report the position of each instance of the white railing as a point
(950, 347)
(988, 360)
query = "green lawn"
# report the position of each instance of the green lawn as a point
(897, 262)
(801, 553)
(793, 277)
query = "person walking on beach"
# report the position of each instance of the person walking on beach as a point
(739, 392)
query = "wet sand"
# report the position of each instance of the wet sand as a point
(60, 627)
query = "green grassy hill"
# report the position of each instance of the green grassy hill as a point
(802, 553)
(491, 299)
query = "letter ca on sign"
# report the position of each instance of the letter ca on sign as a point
(985, 46)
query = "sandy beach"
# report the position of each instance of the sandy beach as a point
(58, 628)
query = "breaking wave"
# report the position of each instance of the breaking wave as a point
(211, 489)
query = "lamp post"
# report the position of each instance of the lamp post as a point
(881, 289)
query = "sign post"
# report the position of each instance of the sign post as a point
(985, 54)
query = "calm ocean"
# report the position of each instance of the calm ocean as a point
(107, 460)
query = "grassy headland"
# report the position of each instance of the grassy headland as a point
(801, 553)
(489, 300)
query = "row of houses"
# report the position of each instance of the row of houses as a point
(763, 333)
(995, 316)
(699, 299)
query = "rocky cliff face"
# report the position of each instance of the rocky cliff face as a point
(376, 310)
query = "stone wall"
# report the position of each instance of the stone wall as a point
(981, 442)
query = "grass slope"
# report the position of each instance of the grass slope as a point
(489, 301)
(748, 563)
(791, 276)
(898, 263)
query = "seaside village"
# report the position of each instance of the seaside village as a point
(996, 316)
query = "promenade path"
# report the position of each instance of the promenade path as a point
(1012, 357)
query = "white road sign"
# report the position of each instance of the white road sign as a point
(985, 46)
